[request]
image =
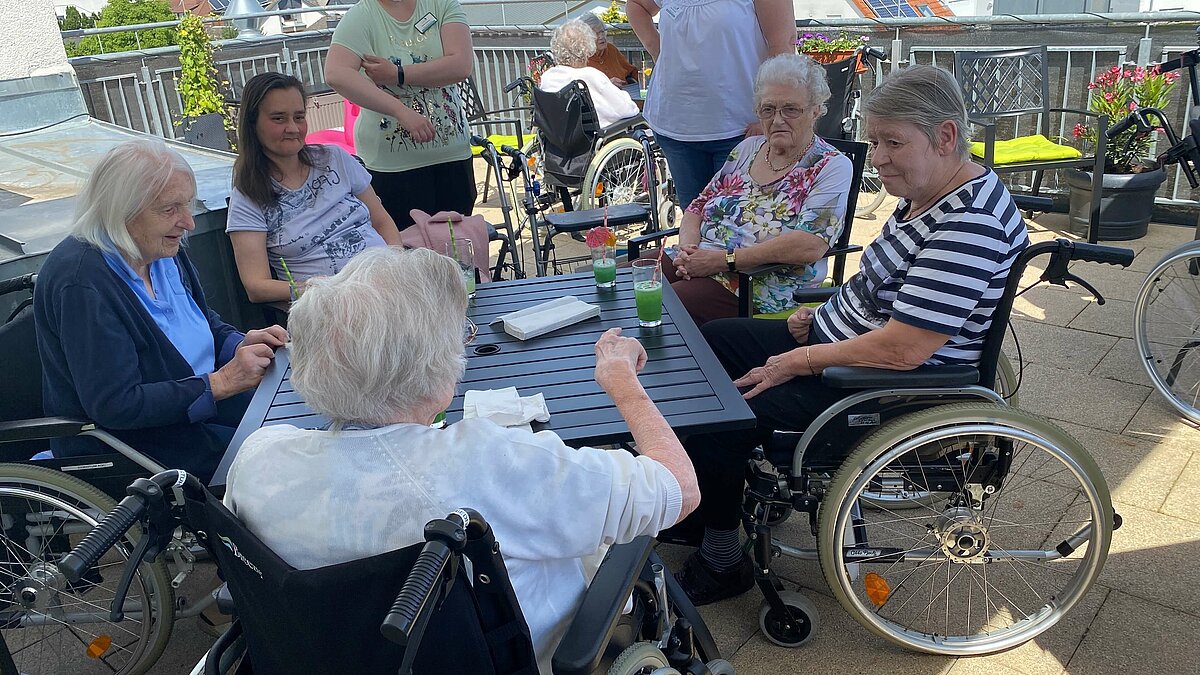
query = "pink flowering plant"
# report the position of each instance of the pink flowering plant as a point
(1116, 93)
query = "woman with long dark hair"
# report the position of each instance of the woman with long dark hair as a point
(297, 210)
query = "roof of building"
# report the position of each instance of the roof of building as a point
(197, 7)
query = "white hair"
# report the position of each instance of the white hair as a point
(381, 337)
(126, 181)
(572, 44)
(924, 96)
(595, 23)
(796, 71)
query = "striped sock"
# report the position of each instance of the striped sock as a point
(721, 550)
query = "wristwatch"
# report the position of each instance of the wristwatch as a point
(730, 259)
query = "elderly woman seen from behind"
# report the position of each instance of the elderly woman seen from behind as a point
(925, 293)
(779, 198)
(126, 337)
(572, 44)
(608, 59)
(378, 349)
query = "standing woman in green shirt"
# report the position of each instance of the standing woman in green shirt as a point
(402, 61)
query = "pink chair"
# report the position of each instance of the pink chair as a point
(343, 137)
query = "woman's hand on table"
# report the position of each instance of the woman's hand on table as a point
(618, 360)
(243, 372)
(800, 322)
(272, 336)
(777, 370)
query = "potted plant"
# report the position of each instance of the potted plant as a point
(205, 117)
(825, 49)
(1131, 175)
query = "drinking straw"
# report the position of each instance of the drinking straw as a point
(288, 273)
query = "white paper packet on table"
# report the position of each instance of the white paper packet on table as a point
(505, 407)
(547, 316)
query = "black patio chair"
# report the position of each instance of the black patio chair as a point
(1005, 85)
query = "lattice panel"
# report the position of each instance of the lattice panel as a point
(1007, 84)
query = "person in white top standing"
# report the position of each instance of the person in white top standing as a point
(377, 348)
(572, 44)
(701, 93)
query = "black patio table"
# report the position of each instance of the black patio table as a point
(682, 376)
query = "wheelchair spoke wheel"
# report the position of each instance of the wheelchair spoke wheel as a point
(1167, 329)
(50, 625)
(617, 176)
(1014, 530)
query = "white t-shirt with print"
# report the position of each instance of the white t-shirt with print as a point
(317, 227)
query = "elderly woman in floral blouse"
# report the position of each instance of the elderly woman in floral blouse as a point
(779, 198)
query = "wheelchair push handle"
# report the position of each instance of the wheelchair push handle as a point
(1109, 255)
(1064, 251)
(21, 283)
(874, 53)
(107, 532)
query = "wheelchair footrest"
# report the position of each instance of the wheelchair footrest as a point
(618, 215)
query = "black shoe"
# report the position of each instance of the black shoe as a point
(704, 585)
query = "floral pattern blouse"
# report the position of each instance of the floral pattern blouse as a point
(737, 211)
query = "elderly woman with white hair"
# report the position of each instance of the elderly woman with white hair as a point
(608, 59)
(572, 44)
(925, 293)
(126, 337)
(378, 349)
(778, 199)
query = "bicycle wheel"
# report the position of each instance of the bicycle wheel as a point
(51, 626)
(1166, 328)
(1018, 536)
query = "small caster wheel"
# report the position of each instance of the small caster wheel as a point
(777, 514)
(720, 667)
(794, 629)
(640, 658)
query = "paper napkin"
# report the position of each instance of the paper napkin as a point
(547, 316)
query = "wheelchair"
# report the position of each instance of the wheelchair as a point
(955, 524)
(450, 609)
(47, 505)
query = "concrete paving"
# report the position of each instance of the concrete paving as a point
(1081, 371)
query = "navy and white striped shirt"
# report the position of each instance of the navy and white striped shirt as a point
(943, 270)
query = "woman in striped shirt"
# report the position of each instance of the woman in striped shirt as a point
(924, 294)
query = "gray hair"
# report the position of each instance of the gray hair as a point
(796, 71)
(595, 23)
(381, 337)
(126, 180)
(925, 96)
(572, 43)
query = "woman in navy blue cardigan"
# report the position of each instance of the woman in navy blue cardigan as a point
(126, 337)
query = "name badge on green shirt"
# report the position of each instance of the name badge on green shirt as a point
(426, 22)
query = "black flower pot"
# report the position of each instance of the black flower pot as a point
(1126, 203)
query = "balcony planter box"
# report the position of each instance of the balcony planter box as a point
(834, 57)
(1126, 202)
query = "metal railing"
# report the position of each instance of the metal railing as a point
(137, 89)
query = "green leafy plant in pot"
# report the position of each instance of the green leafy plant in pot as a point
(1131, 175)
(206, 118)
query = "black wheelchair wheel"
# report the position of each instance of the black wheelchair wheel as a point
(51, 626)
(792, 628)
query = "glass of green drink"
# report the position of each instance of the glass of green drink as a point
(647, 291)
(604, 265)
(464, 254)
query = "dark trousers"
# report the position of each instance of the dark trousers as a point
(449, 186)
(720, 459)
(704, 298)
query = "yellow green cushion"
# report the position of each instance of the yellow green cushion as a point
(1036, 148)
(778, 315)
(497, 140)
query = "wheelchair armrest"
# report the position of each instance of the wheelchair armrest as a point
(636, 244)
(41, 428)
(856, 377)
(588, 636)
(845, 250)
(623, 126)
(821, 294)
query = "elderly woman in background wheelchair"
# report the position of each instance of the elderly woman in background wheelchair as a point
(924, 294)
(572, 44)
(126, 337)
(779, 198)
(378, 349)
